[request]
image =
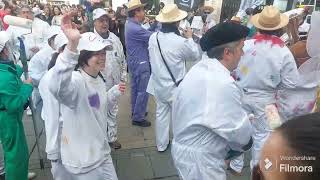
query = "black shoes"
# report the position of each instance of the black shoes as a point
(115, 145)
(144, 123)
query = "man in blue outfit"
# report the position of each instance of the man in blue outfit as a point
(137, 39)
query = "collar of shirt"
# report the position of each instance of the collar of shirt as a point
(134, 21)
(216, 62)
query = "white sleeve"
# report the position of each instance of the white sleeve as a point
(63, 87)
(122, 57)
(191, 51)
(289, 72)
(113, 96)
(36, 69)
(14, 42)
(231, 120)
(257, 3)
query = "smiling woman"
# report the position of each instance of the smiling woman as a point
(85, 105)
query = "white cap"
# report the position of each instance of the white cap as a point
(4, 38)
(90, 41)
(54, 30)
(60, 40)
(36, 11)
(97, 13)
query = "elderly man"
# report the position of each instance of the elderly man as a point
(137, 39)
(169, 52)
(112, 72)
(247, 7)
(267, 67)
(33, 39)
(209, 124)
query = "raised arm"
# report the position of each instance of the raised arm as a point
(62, 86)
(191, 51)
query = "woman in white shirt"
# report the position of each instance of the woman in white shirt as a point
(56, 20)
(85, 104)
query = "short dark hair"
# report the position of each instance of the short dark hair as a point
(170, 27)
(278, 32)
(302, 135)
(217, 52)
(24, 6)
(84, 58)
(132, 13)
(6, 5)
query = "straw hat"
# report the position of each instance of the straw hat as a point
(171, 13)
(270, 19)
(208, 5)
(134, 4)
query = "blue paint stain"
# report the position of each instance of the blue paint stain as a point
(94, 101)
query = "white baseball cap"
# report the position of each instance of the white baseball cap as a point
(36, 11)
(54, 30)
(90, 41)
(4, 38)
(60, 40)
(99, 12)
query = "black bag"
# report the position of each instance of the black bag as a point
(165, 63)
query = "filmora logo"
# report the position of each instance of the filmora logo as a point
(268, 164)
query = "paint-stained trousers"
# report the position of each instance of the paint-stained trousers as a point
(105, 171)
(140, 75)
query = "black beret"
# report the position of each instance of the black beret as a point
(223, 33)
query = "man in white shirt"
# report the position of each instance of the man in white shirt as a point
(247, 7)
(115, 62)
(38, 66)
(266, 67)
(34, 39)
(52, 116)
(209, 123)
(176, 50)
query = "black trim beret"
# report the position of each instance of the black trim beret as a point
(223, 33)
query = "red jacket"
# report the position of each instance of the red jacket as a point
(2, 14)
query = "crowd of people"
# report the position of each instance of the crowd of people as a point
(248, 89)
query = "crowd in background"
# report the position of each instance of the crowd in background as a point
(86, 63)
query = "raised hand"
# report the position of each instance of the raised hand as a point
(70, 30)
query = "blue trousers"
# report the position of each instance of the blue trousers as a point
(140, 75)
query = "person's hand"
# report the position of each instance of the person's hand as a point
(249, 11)
(70, 30)
(146, 20)
(122, 87)
(187, 33)
(28, 81)
(34, 49)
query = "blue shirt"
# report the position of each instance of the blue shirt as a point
(137, 39)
